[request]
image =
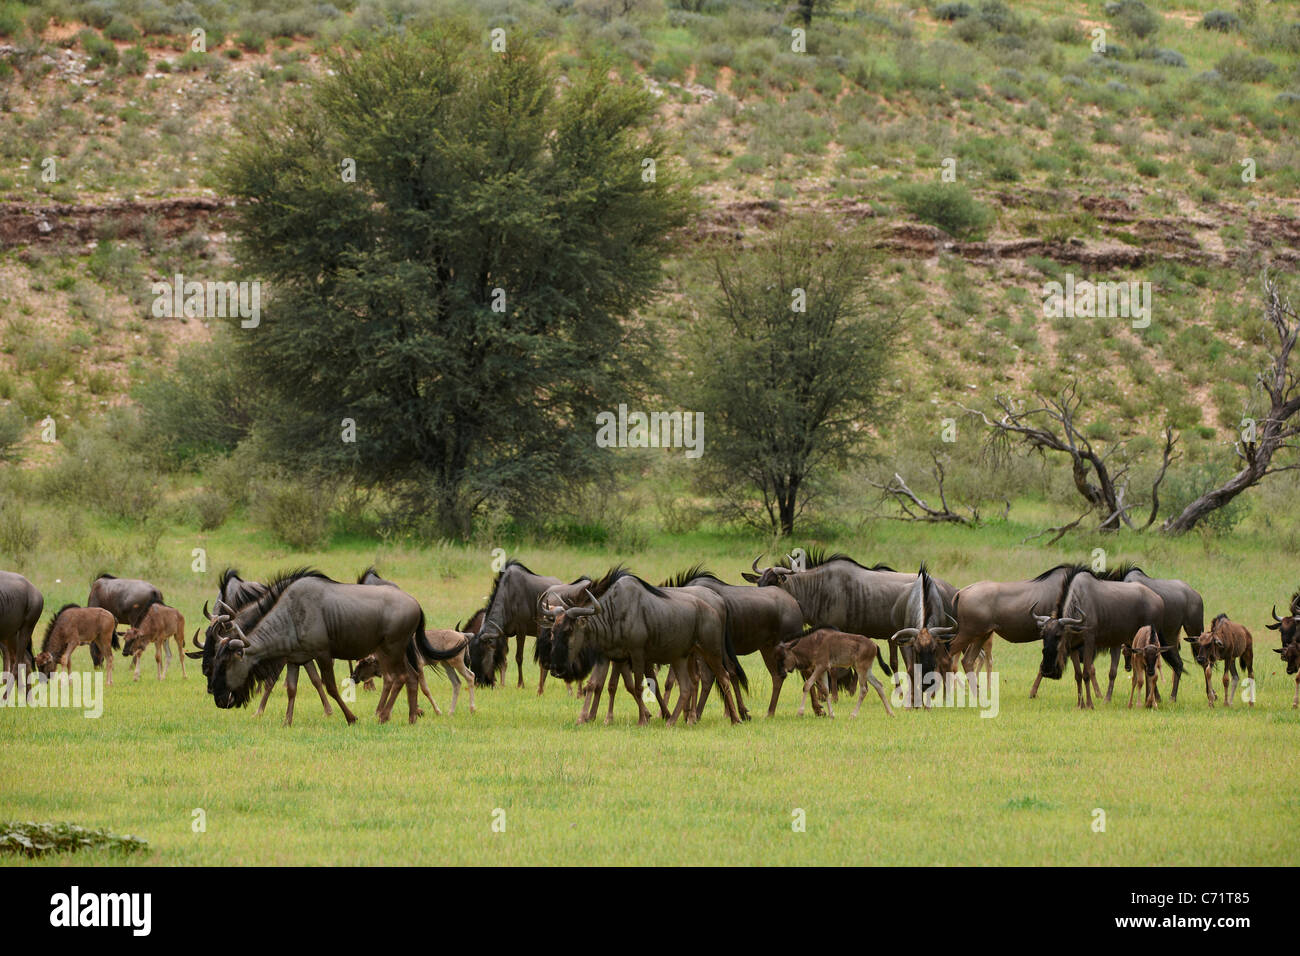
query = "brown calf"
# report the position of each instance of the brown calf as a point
(1144, 656)
(824, 649)
(73, 626)
(443, 640)
(1291, 657)
(159, 623)
(1225, 641)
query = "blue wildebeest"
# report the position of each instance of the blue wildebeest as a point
(1184, 611)
(21, 606)
(821, 650)
(1089, 615)
(836, 591)
(1004, 608)
(304, 616)
(73, 626)
(512, 610)
(759, 618)
(926, 628)
(1286, 626)
(455, 666)
(624, 618)
(234, 592)
(129, 599)
(1144, 657)
(1229, 642)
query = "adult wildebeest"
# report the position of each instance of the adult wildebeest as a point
(1004, 608)
(128, 599)
(73, 626)
(1144, 657)
(1229, 642)
(822, 649)
(627, 619)
(759, 618)
(1089, 615)
(1290, 654)
(836, 591)
(159, 624)
(304, 616)
(1286, 626)
(487, 656)
(21, 606)
(923, 635)
(233, 592)
(1184, 611)
(512, 609)
(443, 639)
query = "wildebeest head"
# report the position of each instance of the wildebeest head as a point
(230, 679)
(485, 656)
(1147, 655)
(767, 577)
(1058, 638)
(45, 662)
(929, 647)
(1286, 626)
(787, 659)
(1291, 655)
(367, 669)
(130, 638)
(570, 656)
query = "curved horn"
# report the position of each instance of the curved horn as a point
(906, 635)
(754, 566)
(195, 639)
(1275, 617)
(222, 604)
(206, 612)
(585, 611)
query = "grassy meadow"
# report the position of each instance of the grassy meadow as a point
(944, 787)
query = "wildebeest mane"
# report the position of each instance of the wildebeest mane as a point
(617, 573)
(1217, 619)
(924, 575)
(276, 587)
(683, 578)
(1295, 603)
(496, 581)
(104, 574)
(1067, 566)
(816, 557)
(49, 628)
(1072, 572)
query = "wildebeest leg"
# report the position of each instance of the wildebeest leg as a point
(1079, 678)
(470, 682)
(455, 684)
(682, 669)
(723, 677)
(1114, 669)
(290, 689)
(157, 656)
(703, 688)
(615, 672)
(912, 687)
(519, 658)
(1248, 662)
(808, 685)
(541, 681)
(1295, 701)
(424, 689)
(653, 677)
(413, 696)
(327, 675)
(1229, 667)
(314, 676)
(594, 688)
(1134, 684)
(1089, 657)
(1210, 695)
(1033, 691)
(637, 660)
(769, 661)
(893, 657)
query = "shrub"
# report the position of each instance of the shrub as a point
(12, 425)
(1221, 20)
(953, 11)
(948, 206)
(19, 535)
(135, 60)
(1148, 168)
(11, 19)
(1166, 57)
(121, 30)
(296, 513)
(1239, 67)
(1134, 18)
(211, 508)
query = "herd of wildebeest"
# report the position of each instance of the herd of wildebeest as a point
(820, 617)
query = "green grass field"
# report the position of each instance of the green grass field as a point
(1184, 785)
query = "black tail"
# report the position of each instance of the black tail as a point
(1172, 657)
(733, 662)
(96, 658)
(416, 645)
(117, 645)
(431, 653)
(884, 664)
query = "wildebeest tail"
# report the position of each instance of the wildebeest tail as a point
(884, 664)
(96, 658)
(416, 645)
(732, 660)
(428, 651)
(117, 644)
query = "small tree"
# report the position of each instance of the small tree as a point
(787, 362)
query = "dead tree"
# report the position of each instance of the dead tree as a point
(912, 507)
(1053, 426)
(1263, 438)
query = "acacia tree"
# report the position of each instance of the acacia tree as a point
(786, 364)
(1265, 437)
(452, 240)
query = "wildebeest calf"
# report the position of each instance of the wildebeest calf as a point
(445, 639)
(1144, 656)
(826, 648)
(1225, 641)
(159, 623)
(73, 626)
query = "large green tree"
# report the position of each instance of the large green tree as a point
(463, 297)
(787, 363)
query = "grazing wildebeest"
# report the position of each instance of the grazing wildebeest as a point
(923, 634)
(1144, 656)
(73, 626)
(1290, 654)
(1286, 626)
(1229, 642)
(627, 619)
(1184, 611)
(835, 591)
(760, 619)
(129, 599)
(159, 624)
(21, 606)
(234, 593)
(1090, 615)
(825, 648)
(512, 609)
(455, 641)
(304, 616)
(566, 593)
